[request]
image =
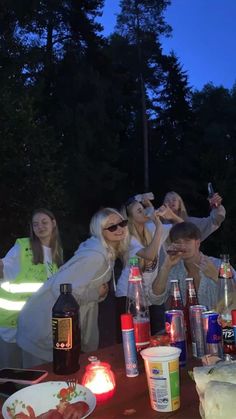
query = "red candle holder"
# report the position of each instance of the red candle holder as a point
(100, 379)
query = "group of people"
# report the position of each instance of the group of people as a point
(32, 271)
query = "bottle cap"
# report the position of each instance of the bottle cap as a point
(126, 321)
(233, 313)
(188, 279)
(65, 288)
(133, 261)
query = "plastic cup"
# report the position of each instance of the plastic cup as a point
(162, 371)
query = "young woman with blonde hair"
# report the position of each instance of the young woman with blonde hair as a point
(206, 225)
(147, 234)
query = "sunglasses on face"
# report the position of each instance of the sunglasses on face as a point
(114, 227)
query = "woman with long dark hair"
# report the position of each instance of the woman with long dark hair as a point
(24, 269)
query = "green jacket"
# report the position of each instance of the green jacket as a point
(14, 294)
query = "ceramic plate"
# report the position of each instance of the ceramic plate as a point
(45, 396)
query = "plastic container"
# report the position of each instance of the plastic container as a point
(162, 371)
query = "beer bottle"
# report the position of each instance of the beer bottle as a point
(191, 300)
(66, 332)
(136, 304)
(225, 304)
(176, 302)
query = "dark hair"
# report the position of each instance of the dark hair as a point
(55, 242)
(185, 230)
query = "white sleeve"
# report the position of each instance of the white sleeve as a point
(165, 230)
(11, 263)
(134, 247)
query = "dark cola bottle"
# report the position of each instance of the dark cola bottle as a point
(66, 332)
(226, 292)
(191, 300)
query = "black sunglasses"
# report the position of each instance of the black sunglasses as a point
(114, 227)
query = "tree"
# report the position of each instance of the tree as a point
(142, 23)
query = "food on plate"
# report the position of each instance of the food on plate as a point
(64, 410)
(220, 378)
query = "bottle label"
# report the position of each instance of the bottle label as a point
(228, 335)
(177, 294)
(142, 332)
(62, 333)
(225, 271)
(191, 292)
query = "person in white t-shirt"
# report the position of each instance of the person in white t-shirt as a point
(24, 269)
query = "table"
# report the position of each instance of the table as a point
(131, 394)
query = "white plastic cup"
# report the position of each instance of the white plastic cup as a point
(162, 371)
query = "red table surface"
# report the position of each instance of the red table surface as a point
(131, 398)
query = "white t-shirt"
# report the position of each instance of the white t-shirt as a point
(11, 268)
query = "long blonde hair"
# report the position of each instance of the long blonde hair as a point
(55, 241)
(182, 212)
(97, 223)
(144, 239)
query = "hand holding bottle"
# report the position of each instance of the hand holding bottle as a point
(167, 214)
(215, 200)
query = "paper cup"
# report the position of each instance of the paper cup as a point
(162, 371)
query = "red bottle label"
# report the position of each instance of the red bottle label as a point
(142, 332)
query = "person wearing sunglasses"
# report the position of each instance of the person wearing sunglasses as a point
(89, 271)
(147, 234)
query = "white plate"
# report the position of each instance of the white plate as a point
(45, 396)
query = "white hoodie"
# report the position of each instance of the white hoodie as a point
(89, 268)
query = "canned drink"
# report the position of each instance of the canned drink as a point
(175, 328)
(197, 334)
(212, 333)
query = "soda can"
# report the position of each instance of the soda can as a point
(175, 328)
(212, 333)
(197, 334)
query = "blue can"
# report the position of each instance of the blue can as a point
(212, 333)
(175, 328)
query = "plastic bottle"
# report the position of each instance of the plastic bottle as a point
(176, 302)
(130, 354)
(225, 304)
(191, 300)
(66, 332)
(136, 304)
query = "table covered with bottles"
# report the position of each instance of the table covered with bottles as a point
(131, 397)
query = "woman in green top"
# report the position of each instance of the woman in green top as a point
(26, 266)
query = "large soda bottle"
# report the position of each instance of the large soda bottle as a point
(176, 302)
(66, 332)
(136, 304)
(191, 300)
(225, 304)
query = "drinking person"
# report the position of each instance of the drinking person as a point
(186, 260)
(147, 234)
(206, 225)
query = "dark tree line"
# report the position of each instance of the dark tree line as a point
(85, 120)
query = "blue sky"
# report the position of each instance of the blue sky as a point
(203, 38)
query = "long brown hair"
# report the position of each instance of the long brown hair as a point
(55, 241)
